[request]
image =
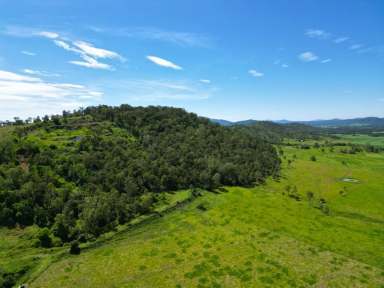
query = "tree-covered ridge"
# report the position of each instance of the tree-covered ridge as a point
(82, 173)
(276, 133)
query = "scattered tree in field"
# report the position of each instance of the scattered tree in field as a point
(44, 237)
(313, 158)
(75, 248)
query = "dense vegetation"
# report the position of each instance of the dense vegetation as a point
(276, 133)
(80, 174)
(254, 237)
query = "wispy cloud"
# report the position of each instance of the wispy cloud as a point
(87, 51)
(48, 34)
(326, 61)
(155, 91)
(308, 56)
(284, 66)
(151, 33)
(92, 51)
(317, 33)
(90, 62)
(277, 62)
(10, 76)
(340, 40)
(21, 31)
(351, 44)
(255, 73)
(206, 81)
(40, 73)
(163, 62)
(89, 54)
(28, 53)
(355, 46)
(25, 96)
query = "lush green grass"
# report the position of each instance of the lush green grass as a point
(253, 237)
(362, 139)
(21, 258)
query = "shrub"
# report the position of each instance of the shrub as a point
(75, 248)
(44, 237)
(202, 207)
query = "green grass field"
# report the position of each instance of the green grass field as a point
(363, 139)
(255, 237)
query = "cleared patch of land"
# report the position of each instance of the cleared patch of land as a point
(268, 236)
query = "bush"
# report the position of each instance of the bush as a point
(75, 248)
(44, 237)
(202, 207)
(313, 158)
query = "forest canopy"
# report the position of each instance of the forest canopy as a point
(80, 174)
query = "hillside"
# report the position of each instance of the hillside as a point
(268, 236)
(82, 174)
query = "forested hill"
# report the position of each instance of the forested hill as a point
(354, 123)
(275, 133)
(80, 174)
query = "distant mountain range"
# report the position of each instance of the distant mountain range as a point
(366, 122)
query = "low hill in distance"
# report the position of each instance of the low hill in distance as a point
(355, 123)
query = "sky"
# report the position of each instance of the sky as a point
(228, 59)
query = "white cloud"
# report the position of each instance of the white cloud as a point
(308, 56)
(86, 50)
(326, 60)
(284, 66)
(89, 54)
(25, 96)
(92, 51)
(66, 46)
(48, 34)
(10, 76)
(355, 46)
(164, 63)
(28, 53)
(158, 91)
(340, 40)
(19, 31)
(206, 81)
(317, 33)
(150, 33)
(255, 73)
(40, 73)
(90, 62)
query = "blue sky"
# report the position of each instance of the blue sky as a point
(232, 59)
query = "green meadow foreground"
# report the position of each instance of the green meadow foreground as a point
(258, 237)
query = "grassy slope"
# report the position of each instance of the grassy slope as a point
(252, 237)
(18, 254)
